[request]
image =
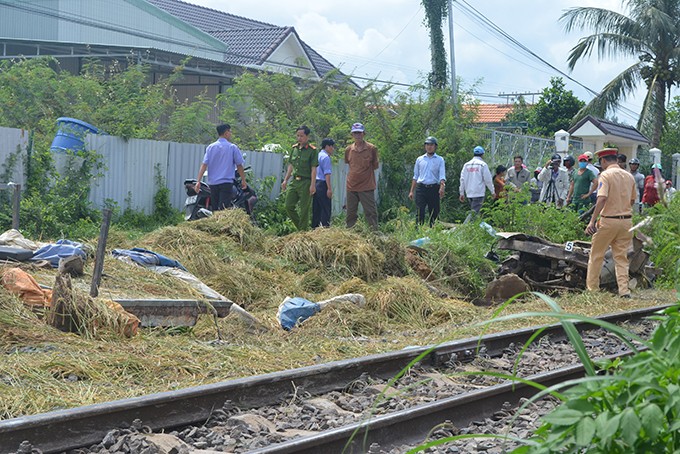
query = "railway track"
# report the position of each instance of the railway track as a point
(64, 430)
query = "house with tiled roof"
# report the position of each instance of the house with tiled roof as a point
(492, 115)
(159, 33)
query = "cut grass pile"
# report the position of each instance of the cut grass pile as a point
(333, 249)
(44, 369)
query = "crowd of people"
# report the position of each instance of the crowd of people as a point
(307, 181)
(559, 182)
(571, 183)
(607, 186)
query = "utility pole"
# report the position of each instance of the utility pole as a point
(454, 87)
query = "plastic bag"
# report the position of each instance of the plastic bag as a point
(295, 310)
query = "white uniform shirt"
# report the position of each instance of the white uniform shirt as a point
(474, 178)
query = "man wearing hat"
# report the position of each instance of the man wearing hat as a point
(634, 164)
(555, 182)
(583, 183)
(611, 221)
(595, 170)
(302, 166)
(321, 204)
(475, 178)
(362, 159)
(429, 181)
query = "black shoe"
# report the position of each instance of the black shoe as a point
(627, 296)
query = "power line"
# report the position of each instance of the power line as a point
(486, 23)
(398, 34)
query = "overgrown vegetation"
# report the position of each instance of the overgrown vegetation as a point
(46, 369)
(632, 408)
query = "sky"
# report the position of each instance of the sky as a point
(387, 40)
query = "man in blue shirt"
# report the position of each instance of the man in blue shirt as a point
(429, 181)
(221, 157)
(321, 204)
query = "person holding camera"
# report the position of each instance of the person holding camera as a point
(555, 182)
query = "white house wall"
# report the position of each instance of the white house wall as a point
(290, 54)
(160, 28)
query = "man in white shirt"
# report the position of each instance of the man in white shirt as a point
(475, 178)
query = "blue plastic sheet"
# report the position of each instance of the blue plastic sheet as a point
(296, 310)
(61, 249)
(147, 258)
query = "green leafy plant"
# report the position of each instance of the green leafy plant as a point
(545, 221)
(665, 231)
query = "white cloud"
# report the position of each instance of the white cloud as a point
(387, 38)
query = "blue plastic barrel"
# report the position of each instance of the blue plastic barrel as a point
(71, 135)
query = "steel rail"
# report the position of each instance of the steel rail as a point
(411, 426)
(62, 430)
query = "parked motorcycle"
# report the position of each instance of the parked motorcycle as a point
(244, 199)
(197, 206)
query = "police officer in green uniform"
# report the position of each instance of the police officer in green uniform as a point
(302, 167)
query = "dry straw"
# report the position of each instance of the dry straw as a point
(339, 250)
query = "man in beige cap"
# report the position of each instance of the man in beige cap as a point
(611, 221)
(362, 160)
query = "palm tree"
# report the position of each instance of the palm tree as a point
(651, 32)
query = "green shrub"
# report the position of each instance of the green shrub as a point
(538, 219)
(635, 408)
(665, 232)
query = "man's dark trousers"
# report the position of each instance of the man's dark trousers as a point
(321, 206)
(427, 196)
(220, 196)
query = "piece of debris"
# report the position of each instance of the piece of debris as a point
(26, 287)
(505, 287)
(164, 265)
(73, 265)
(550, 266)
(418, 264)
(293, 311)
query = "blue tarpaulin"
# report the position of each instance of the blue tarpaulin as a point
(147, 258)
(61, 249)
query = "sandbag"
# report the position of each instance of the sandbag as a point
(14, 238)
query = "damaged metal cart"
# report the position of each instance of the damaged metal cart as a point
(550, 266)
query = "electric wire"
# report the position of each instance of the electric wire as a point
(479, 18)
(397, 36)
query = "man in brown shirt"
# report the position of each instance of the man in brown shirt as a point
(615, 198)
(362, 158)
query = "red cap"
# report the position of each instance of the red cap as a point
(583, 157)
(607, 152)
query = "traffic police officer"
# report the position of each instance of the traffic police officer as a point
(611, 221)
